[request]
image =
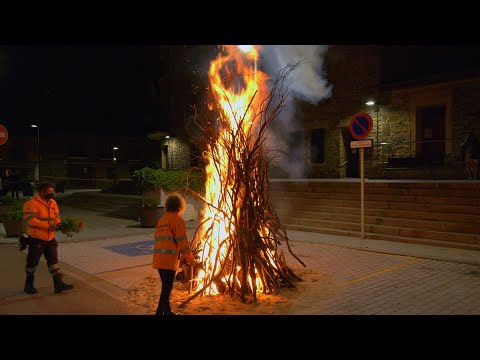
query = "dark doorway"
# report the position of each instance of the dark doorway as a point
(352, 155)
(431, 134)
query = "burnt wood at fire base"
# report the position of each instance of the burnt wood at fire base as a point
(239, 237)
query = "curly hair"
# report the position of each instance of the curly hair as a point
(175, 203)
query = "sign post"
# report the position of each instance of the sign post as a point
(360, 127)
(3, 135)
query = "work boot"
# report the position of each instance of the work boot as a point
(58, 283)
(29, 288)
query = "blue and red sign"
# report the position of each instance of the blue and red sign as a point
(360, 125)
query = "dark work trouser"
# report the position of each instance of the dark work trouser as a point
(36, 248)
(14, 191)
(167, 277)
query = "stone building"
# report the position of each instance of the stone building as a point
(423, 110)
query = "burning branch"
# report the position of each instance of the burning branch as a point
(239, 234)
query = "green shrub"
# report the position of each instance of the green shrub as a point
(70, 225)
(15, 212)
(7, 200)
(149, 179)
(176, 180)
(150, 202)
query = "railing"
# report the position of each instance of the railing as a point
(80, 183)
(387, 162)
(384, 150)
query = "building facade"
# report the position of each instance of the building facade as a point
(420, 119)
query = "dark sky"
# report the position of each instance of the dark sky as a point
(404, 63)
(105, 89)
(117, 89)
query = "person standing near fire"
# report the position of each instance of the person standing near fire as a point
(171, 245)
(41, 217)
(12, 182)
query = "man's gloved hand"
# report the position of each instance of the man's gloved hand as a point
(22, 242)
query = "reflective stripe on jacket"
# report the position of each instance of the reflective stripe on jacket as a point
(38, 215)
(171, 242)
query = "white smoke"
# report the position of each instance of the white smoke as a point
(308, 81)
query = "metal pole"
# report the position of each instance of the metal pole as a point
(362, 191)
(378, 145)
(38, 154)
(115, 165)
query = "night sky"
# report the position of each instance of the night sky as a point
(104, 89)
(118, 89)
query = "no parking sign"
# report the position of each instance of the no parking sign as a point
(360, 125)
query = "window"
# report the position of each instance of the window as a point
(295, 147)
(317, 146)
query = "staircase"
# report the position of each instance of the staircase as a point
(438, 213)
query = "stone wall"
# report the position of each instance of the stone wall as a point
(179, 153)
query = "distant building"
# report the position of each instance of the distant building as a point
(89, 160)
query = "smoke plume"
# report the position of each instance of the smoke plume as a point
(308, 81)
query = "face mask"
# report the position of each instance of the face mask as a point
(48, 196)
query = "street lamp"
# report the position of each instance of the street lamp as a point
(38, 150)
(115, 164)
(377, 110)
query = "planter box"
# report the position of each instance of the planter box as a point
(12, 227)
(149, 216)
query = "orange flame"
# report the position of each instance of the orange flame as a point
(240, 105)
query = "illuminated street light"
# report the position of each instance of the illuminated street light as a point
(115, 163)
(371, 103)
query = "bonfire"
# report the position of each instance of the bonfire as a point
(237, 244)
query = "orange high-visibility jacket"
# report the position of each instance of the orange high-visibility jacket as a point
(38, 215)
(171, 242)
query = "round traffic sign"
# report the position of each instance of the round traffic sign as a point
(360, 125)
(3, 135)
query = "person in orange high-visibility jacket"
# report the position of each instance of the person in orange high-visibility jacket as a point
(171, 244)
(41, 217)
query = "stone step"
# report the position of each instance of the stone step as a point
(376, 236)
(304, 202)
(383, 198)
(409, 220)
(396, 229)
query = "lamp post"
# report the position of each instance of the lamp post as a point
(115, 163)
(377, 110)
(38, 150)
